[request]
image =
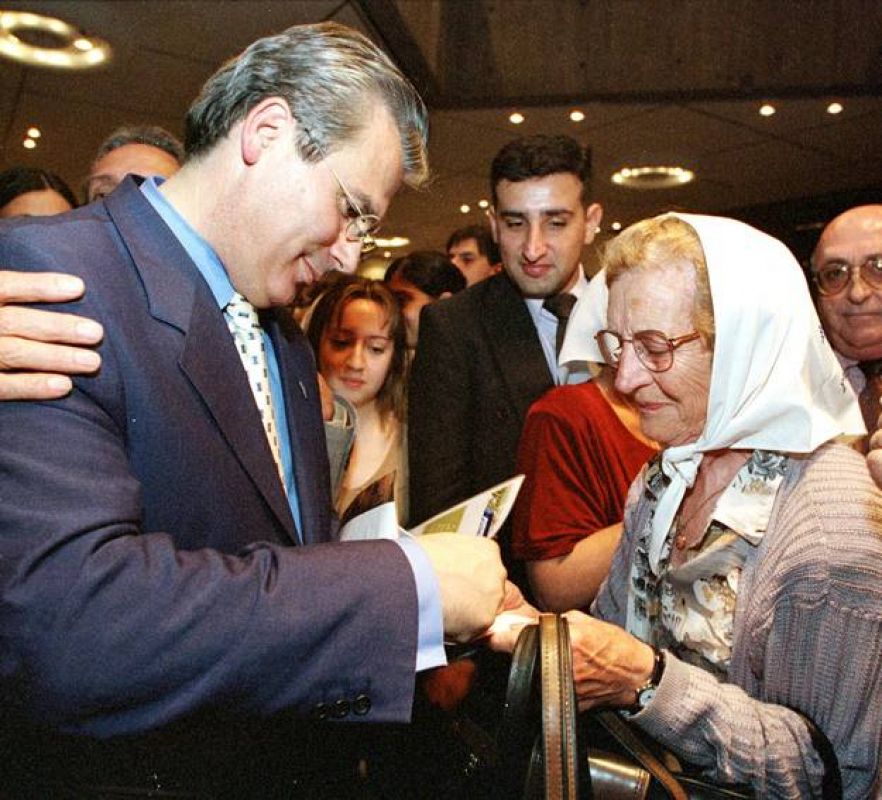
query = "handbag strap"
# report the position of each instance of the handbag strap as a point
(622, 732)
(559, 734)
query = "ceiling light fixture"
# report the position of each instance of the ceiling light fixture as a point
(834, 108)
(516, 118)
(652, 177)
(28, 144)
(616, 226)
(48, 42)
(577, 116)
(392, 241)
(464, 208)
(766, 110)
(34, 133)
(483, 204)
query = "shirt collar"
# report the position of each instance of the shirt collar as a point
(207, 261)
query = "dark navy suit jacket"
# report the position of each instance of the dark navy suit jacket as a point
(148, 567)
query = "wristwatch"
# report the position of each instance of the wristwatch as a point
(647, 691)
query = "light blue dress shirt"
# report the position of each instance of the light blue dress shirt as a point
(430, 640)
(546, 326)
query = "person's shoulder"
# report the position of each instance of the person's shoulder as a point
(569, 400)
(475, 299)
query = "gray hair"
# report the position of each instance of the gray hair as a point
(329, 75)
(151, 135)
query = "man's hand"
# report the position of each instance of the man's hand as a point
(874, 455)
(471, 578)
(35, 344)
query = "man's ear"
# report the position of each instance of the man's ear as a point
(494, 224)
(445, 295)
(593, 217)
(264, 126)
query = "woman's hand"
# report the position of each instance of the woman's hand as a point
(609, 664)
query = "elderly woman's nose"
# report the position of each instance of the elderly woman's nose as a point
(631, 373)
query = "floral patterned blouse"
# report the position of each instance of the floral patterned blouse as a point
(690, 609)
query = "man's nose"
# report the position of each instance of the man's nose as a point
(346, 254)
(858, 289)
(534, 245)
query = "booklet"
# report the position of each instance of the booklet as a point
(481, 515)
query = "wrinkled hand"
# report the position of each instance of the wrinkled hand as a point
(609, 664)
(34, 343)
(874, 455)
(471, 579)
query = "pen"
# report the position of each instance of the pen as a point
(486, 521)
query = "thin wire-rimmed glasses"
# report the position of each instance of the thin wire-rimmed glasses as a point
(361, 227)
(834, 276)
(653, 348)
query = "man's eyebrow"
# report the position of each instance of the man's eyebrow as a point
(546, 212)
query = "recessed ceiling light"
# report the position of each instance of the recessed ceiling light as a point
(653, 177)
(483, 204)
(387, 254)
(28, 144)
(464, 208)
(23, 38)
(616, 226)
(834, 108)
(392, 241)
(516, 118)
(766, 110)
(34, 133)
(577, 116)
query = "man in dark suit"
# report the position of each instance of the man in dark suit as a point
(485, 355)
(158, 617)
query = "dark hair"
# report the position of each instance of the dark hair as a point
(430, 271)
(151, 135)
(483, 238)
(21, 180)
(331, 77)
(327, 313)
(538, 156)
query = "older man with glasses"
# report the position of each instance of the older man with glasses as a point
(846, 271)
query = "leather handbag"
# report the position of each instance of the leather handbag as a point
(544, 744)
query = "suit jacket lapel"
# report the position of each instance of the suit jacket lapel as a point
(177, 295)
(514, 344)
(305, 426)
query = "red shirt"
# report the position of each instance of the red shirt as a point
(579, 460)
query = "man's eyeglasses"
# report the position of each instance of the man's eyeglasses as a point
(653, 348)
(834, 276)
(361, 227)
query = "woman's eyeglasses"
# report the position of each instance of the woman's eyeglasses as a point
(653, 348)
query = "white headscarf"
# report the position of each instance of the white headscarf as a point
(776, 383)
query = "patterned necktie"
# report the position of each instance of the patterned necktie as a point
(248, 335)
(561, 305)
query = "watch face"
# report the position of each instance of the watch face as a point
(645, 695)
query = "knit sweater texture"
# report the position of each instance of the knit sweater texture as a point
(807, 636)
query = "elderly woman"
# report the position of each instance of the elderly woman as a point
(745, 597)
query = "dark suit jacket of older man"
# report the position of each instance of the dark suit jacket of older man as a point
(149, 577)
(478, 368)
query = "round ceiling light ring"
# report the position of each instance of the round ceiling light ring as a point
(653, 177)
(73, 55)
